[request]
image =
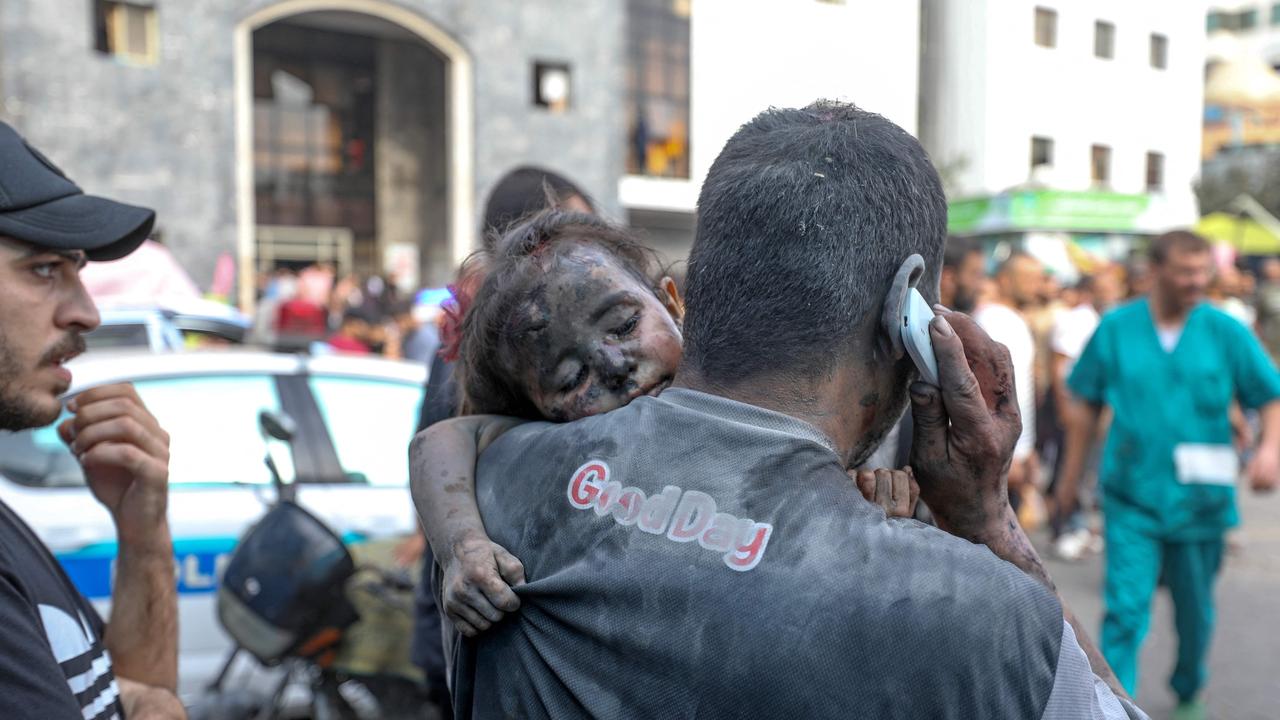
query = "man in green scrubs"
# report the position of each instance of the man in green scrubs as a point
(1169, 366)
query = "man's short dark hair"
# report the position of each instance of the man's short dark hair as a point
(1180, 240)
(958, 249)
(803, 221)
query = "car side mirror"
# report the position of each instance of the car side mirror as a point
(278, 425)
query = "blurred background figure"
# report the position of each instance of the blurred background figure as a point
(300, 316)
(1042, 316)
(1267, 303)
(354, 335)
(1095, 295)
(527, 190)
(416, 332)
(1227, 292)
(963, 273)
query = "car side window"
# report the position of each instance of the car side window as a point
(371, 423)
(212, 423)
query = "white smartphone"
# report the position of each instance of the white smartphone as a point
(915, 336)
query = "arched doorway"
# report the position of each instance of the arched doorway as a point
(353, 140)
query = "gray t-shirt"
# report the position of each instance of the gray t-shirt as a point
(689, 556)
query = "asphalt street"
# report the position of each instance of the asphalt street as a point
(1244, 666)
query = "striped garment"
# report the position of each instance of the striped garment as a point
(85, 663)
(53, 662)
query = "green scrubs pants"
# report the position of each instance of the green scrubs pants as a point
(1136, 562)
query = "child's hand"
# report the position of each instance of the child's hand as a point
(477, 585)
(894, 490)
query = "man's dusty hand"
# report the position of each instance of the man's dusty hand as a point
(125, 456)
(966, 429)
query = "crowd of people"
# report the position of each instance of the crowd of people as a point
(1170, 359)
(312, 309)
(644, 498)
(1046, 324)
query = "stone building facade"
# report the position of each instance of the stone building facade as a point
(456, 108)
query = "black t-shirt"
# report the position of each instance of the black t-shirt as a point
(53, 664)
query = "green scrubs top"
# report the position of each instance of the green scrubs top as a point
(1163, 399)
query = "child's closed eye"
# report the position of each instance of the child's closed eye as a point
(578, 378)
(629, 326)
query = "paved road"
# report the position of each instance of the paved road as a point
(1244, 664)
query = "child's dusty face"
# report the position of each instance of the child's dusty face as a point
(597, 338)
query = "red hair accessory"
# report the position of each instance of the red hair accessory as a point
(455, 310)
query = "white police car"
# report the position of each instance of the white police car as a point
(355, 418)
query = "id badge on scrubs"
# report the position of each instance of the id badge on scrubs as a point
(1203, 464)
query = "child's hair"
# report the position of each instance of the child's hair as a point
(512, 272)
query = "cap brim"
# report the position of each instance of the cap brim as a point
(104, 229)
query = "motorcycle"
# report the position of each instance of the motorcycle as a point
(294, 599)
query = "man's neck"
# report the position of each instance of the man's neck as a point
(822, 403)
(1166, 311)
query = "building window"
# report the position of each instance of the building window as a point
(658, 88)
(1041, 152)
(1104, 40)
(1242, 20)
(125, 31)
(551, 86)
(1100, 163)
(1155, 172)
(1046, 27)
(1159, 51)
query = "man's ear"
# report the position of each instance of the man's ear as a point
(669, 295)
(895, 306)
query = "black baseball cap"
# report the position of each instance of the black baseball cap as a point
(40, 205)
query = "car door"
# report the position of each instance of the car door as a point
(369, 422)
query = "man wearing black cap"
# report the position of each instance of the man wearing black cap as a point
(58, 659)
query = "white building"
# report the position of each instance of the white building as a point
(1244, 29)
(747, 55)
(1088, 110)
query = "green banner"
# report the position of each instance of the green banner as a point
(964, 215)
(1047, 210)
